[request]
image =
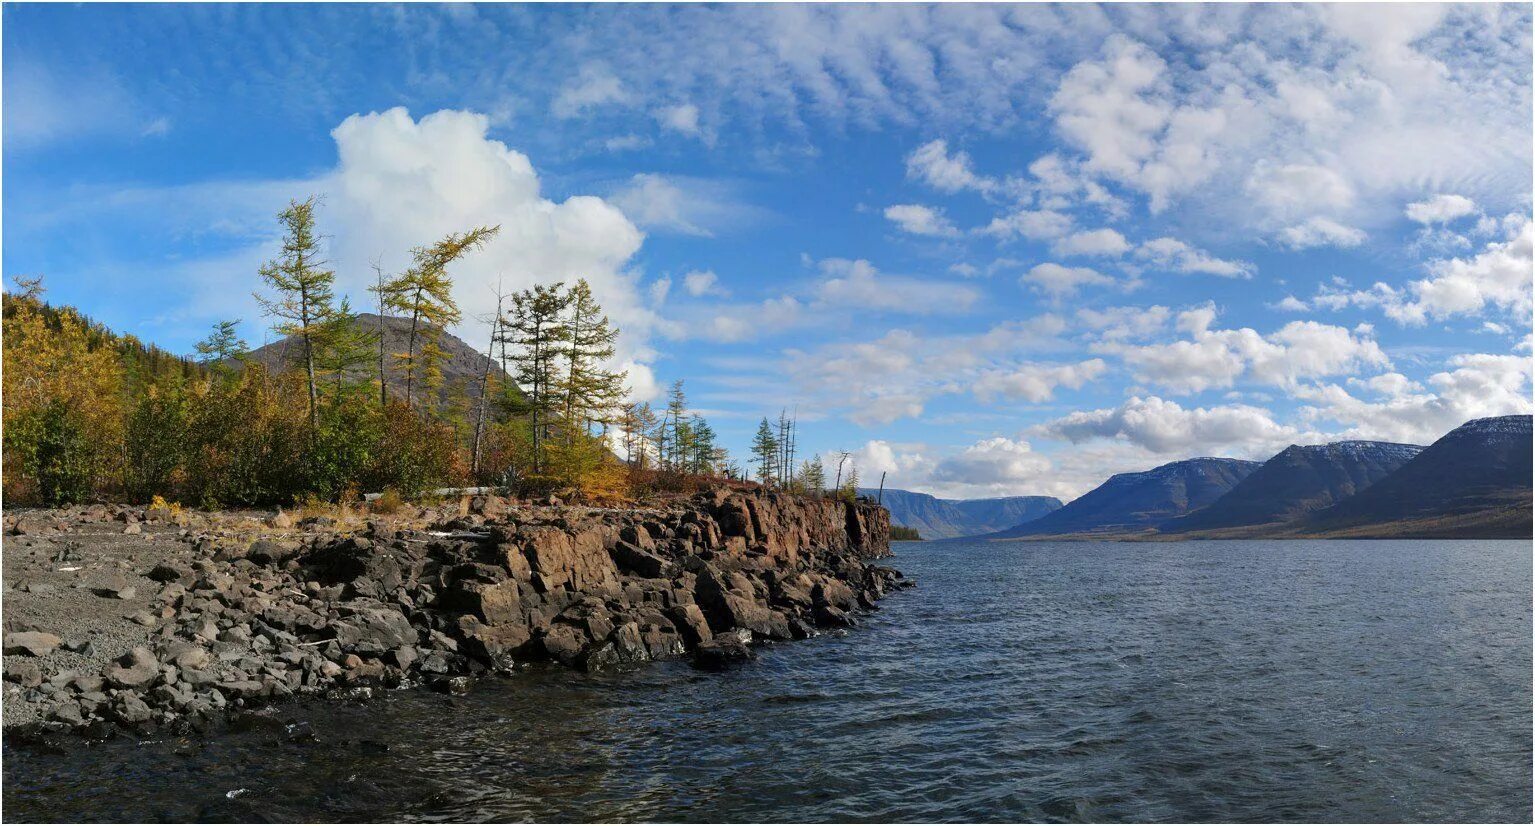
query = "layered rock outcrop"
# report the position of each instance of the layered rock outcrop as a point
(481, 588)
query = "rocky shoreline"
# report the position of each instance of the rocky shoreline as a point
(159, 619)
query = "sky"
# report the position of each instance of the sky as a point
(986, 249)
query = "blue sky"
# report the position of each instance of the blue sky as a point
(989, 249)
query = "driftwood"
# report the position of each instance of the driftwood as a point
(369, 497)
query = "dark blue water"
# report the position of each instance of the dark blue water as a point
(1247, 681)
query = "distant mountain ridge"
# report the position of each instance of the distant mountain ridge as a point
(1476, 480)
(1139, 502)
(936, 518)
(1299, 480)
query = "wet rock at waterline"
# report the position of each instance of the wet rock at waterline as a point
(229, 612)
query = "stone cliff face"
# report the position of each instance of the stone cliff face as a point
(433, 596)
(613, 586)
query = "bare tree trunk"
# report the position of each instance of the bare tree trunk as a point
(314, 391)
(538, 397)
(410, 348)
(383, 389)
(479, 421)
(881, 499)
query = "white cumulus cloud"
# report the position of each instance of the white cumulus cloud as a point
(1059, 281)
(921, 220)
(1440, 209)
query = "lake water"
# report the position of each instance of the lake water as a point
(1247, 681)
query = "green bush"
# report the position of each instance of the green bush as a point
(56, 452)
(414, 453)
(349, 442)
(154, 442)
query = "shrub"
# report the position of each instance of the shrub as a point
(154, 442)
(388, 502)
(414, 453)
(54, 449)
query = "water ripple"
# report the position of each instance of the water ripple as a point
(1217, 681)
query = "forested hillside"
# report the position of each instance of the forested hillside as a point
(345, 402)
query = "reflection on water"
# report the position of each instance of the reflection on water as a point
(1246, 681)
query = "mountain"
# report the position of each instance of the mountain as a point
(462, 369)
(1138, 502)
(936, 518)
(1298, 481)
(1473, 482)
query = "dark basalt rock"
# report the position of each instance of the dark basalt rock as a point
(592, 589)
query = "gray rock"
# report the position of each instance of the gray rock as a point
(722, 652)
(128, 708)
(170, 572)
(267, 552)
(632, 559)
(69, 713)
(134, 669)
(31, 643)
(24, 673)
(118, 588)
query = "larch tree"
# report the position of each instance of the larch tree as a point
(221, 347)
(537, 327)
(303, 287)
(591, 391)
(676, 413)
(765, 452)
(636, 424)
(344, 347)
(424, 294)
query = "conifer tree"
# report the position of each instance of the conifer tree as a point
(424, 293)
(813, 476)
(538, 327)
(636, 424)
(765, 452)
(483, 404)
(676, 412)
(591, 392)
(705, 451)
(304, 290)
(380, 288)
(343, 347)
(221, 347)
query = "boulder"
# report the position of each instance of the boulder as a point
(267, 552)
(631, 558)
(564, 643)
(24, 673)
(638, 536)
(490, 507)
(131, 710)
(721, 652)
(31, 643)
(118, 587)
(577, 560)
(170, 572)
(494, 604)
(134, 669)
(374, 631)
(690, 620)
